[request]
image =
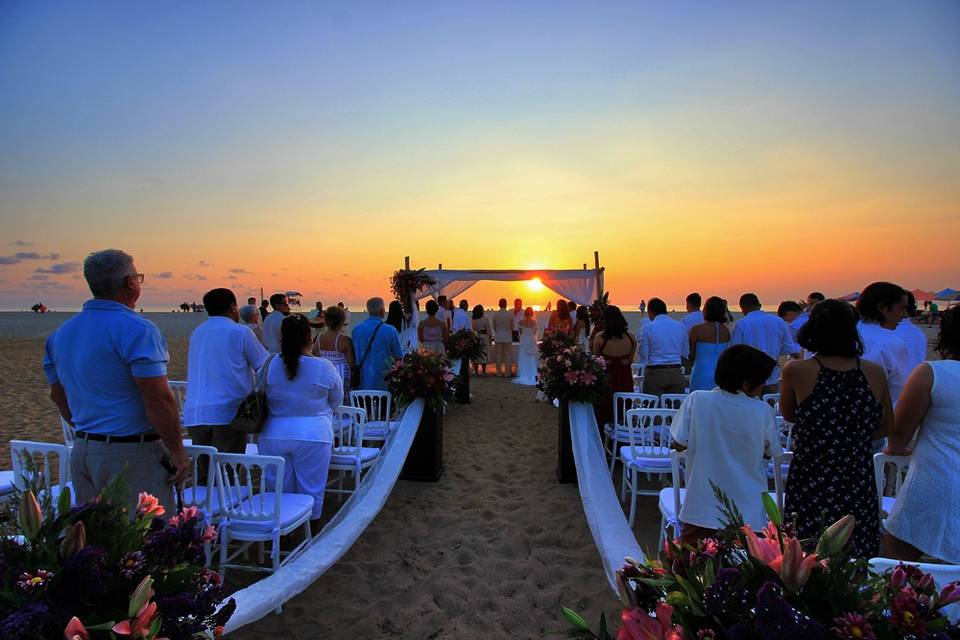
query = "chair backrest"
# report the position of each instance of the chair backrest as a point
(377, 404)
(892, 485)
(179, 389)
(779, 482)
(943, 574)
(649, 431)
(624, 401)
(40, 464)
(772, 399)
(245, 484)
(351, 421)
(672, 400)
(677, 461)
(201, 499)
(69, 435)
(636, 369)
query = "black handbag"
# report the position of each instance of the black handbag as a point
(252, 412)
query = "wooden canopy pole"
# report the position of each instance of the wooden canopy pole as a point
(596, 272)
(406, 263)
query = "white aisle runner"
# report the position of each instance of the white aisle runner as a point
(611, 532)
(337, 536)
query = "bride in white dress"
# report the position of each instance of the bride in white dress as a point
(527, 355)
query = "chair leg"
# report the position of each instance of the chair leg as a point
(633, 496)
(224, 539)
(623, 483)
(663, 532)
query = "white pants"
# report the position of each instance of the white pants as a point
(304, 469)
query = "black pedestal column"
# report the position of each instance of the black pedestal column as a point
(566, 467)
(425, 459)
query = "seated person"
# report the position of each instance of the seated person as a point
(726, 433)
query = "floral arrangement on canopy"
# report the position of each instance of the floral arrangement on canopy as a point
(92, 572)
(464, 343)
(406, 282)
(749, 586)
(573, 375)
(555, 341)
(421, 374)
(597, 309)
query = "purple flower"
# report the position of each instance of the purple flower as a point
(34, 582)
(727, 596)
(131, 564)
(32, 618)
(776, 619)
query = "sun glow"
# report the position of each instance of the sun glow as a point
(535, 285)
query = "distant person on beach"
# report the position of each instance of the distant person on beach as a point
(481, 326)
(271, 326)
(663, 343)
(461, 317)
(252, 301)
(250, 318)
(336, 347)
(707, 341)
(302, 393)
(694, 314)
(107, 369)
(375, 346)
(264, 309)
(801, 319)
(222, 359)
(316, 318)
(912, 335)
(503, 335)
(616, 345)
(643, 306)
(432, 332)
(766, 332)
(882, 306)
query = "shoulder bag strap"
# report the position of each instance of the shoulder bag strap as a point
(261, 382)
(369, 345)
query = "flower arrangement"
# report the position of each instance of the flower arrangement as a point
(91, 572)
(554, 342)
(464, 344)
(597, 309)
(421, 374)
(749, 586)
(406, 282)
(574, 375)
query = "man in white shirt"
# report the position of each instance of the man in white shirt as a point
(694, 314)
(461, 319)
(222, 359)
(801, 319)
(912, 335)
(503, 336)
(765, 331)
(271, 325)
(517, 317)
(661, 346)
(881, 307)
(442, 314)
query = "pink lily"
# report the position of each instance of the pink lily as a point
(139, 626)
(792, 565)
(766, 550)
(75, 630)
(148, 505)
(637, 624)
(949, 594)
(186, 515)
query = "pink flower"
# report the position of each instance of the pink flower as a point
(209, 534)
(949, 594)
(905, 612)
(139, 626)
(710, 547)
(185, 516)
(34, 582)
(75, 630)
(898, 577)
(571, 377)
(588, 378)
(853, 626)
(791, 564)
(637, 624)
(148, 505)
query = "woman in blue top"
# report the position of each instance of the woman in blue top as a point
(707, 341)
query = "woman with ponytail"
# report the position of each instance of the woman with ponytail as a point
(302, 393)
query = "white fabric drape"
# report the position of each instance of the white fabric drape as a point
(601, 506)
(579, 285)
(337, 536)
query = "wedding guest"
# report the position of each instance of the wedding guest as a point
(912, 335)
(250, 317)
(107, 370)
(336, 347)
(839, 404)
(581, 329)
(517, 317)
(222, 358)
(264, 309)
(302, 393)
(766, 332)
(271, 326)
(316, 318)
(726, 433)
(788, 311)
(375, 346)
(663, 343)
(643, 306)
(801, 319)
(442, 313)
(394, 316)
(881, 307)
(694, 315)
(572, 308)
(926, 517)
(252, 301)
(616, 345)
(481, 325)
(707, 341)
(432, 332)
(560, 318)
(503, 337)
(461, 319)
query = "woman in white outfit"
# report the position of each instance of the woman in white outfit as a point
(926, 517)
(302, 393)
(527, 356)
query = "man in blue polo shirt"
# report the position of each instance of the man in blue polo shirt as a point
(376, 345)
(107, 369)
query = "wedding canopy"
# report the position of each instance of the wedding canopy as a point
(582, 286)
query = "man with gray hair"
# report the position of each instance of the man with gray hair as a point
(107, 369)
(376, 345)
(250, 318)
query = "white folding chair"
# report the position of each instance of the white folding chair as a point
(379, 410)
(350, 456)
(888, 483)
(254, 511)
(772, 399)
(179, 389)
(615, 433)
(943, 574)
(648, 451)
(671, 499)
(636, 372)
(69, 435)
(34, 464)
(780, 466)
(202, 495)
(672, 400)
(6, 485)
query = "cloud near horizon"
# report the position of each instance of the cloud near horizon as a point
(163, 275)
(239, 270)
(63, 267)
(21, 243)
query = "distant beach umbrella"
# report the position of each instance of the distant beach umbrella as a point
(947, 294)
(922, 296)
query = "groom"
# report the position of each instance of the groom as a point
(503, 336)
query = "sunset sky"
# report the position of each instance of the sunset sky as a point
(778, 147)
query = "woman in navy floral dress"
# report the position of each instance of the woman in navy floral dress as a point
(840, 404)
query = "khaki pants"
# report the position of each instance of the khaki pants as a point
(660, 381)
(94, 464)
(504, 352)
(225, 439)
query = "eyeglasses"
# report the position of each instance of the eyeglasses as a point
(139, 277)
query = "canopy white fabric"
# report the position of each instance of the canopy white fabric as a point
(611, 532)
(579, 285)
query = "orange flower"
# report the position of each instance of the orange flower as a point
(148, 505)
